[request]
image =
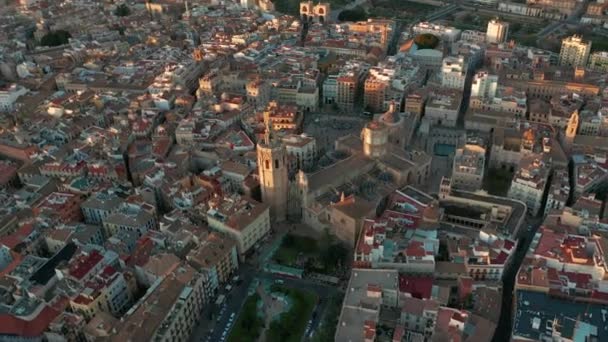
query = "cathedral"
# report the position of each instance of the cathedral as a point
(339, 196)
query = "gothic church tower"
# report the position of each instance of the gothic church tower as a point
(571, 130)
(272, 167)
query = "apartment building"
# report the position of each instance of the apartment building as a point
(468, 167)
(484, 85)
(302, 149)
(217, 255)
(346, 91)
(99, 206)
(131, 217)
(65, 206)
(246, 220)
(330, 89)
(530, 182)
(453, 72)
(168, 311)
(559, 191)
(598, 61)
(442, 108)
(283, 117)
(497, 31)
(574, 51)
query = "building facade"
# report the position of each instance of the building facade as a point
(497, 31)
(468, 167)
(574, 52)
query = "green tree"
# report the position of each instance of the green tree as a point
(356, 14)
(330, 321)
(55, 38)
(249, 324)
(122, 10)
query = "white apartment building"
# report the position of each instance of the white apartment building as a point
(484, 85)
(497, 31)
(530, 182)
(574, 52)
(8, 95)
(468, 167)
(453, 72)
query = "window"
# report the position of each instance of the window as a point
(267, 164)
(276, 163)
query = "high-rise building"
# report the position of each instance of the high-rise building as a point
(574, 52)
(497, 31)
(484, 85)
(346, 91)
(375, 90)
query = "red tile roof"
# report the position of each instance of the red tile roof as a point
(84, 264)
(17, 326)
(418, 287)
(12, 240)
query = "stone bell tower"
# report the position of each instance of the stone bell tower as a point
(272, 168)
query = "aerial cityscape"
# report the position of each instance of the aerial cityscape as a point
(301, 171)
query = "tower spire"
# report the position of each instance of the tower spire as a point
(267, 132)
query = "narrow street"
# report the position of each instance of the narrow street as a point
(503, 330)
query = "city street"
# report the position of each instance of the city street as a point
(503, 330)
